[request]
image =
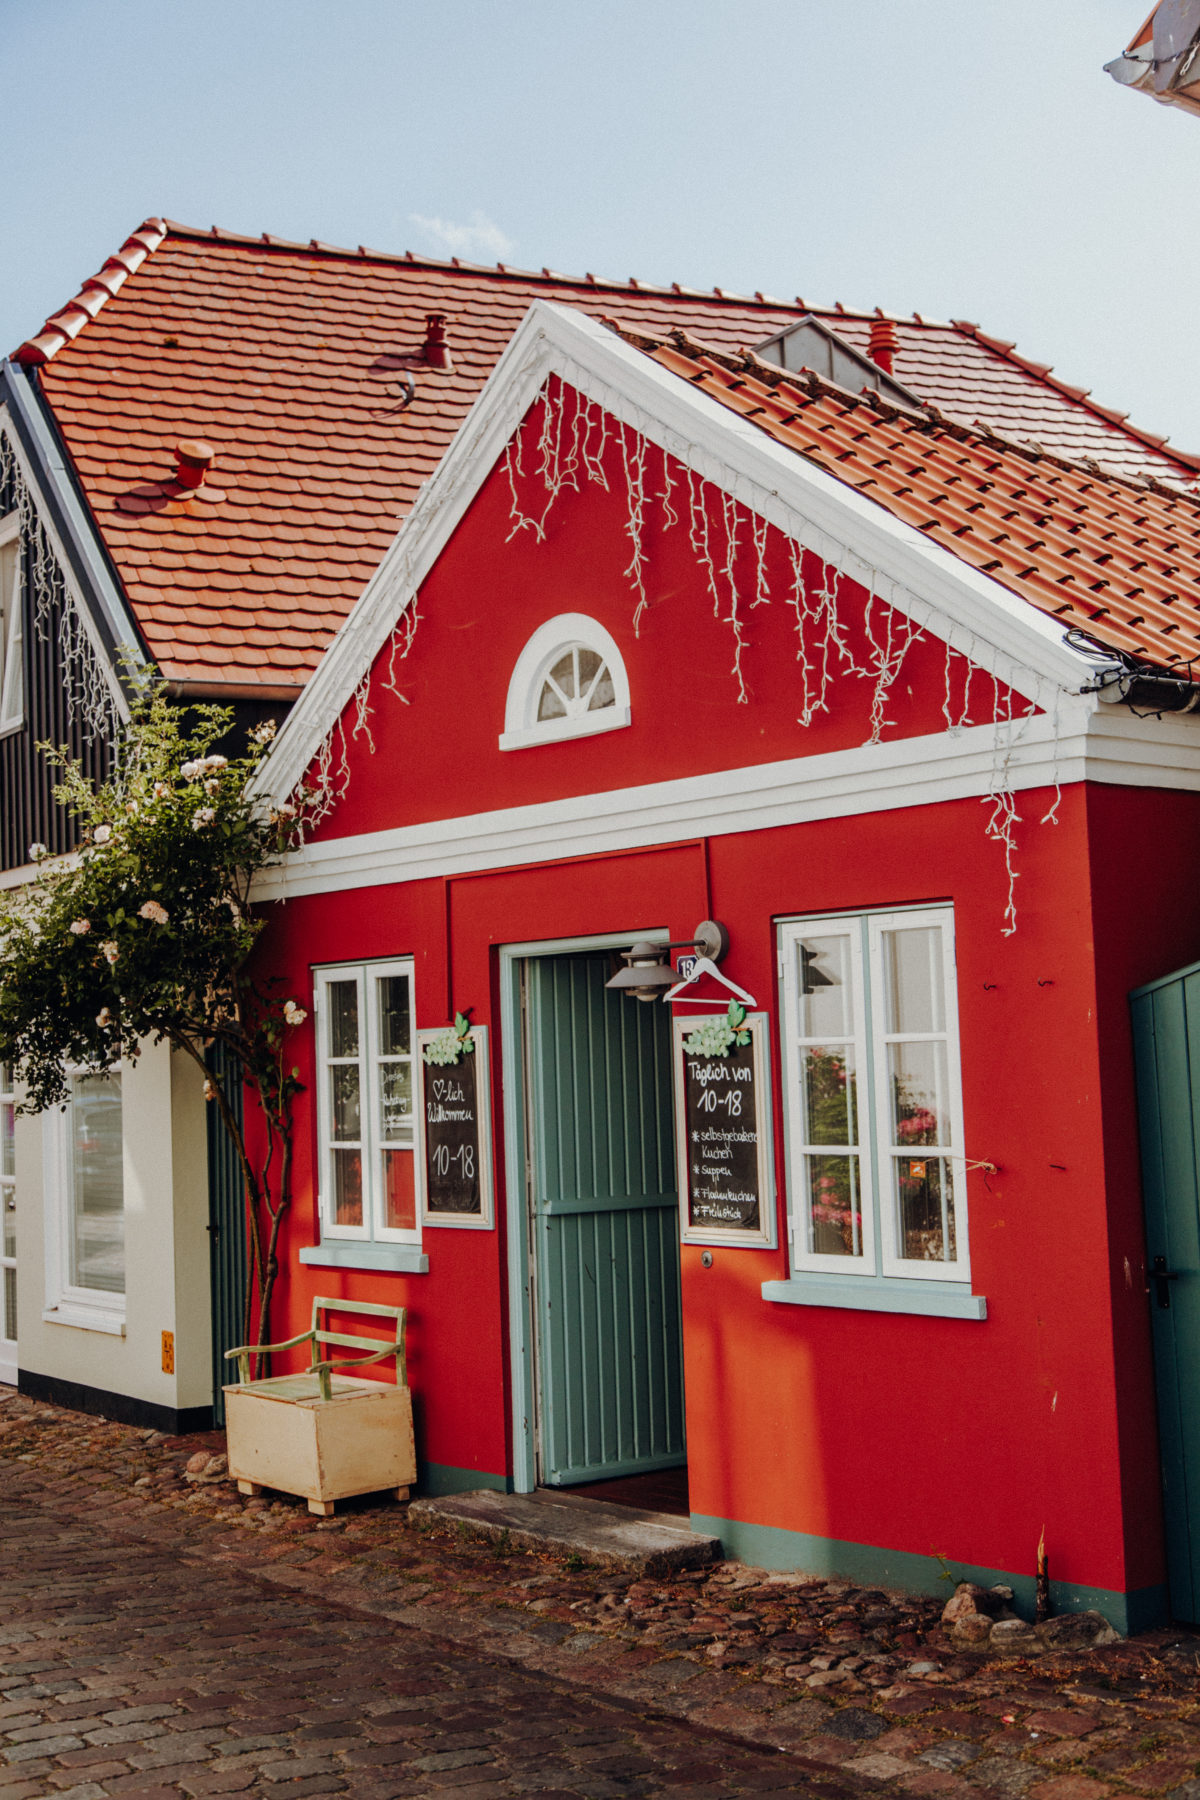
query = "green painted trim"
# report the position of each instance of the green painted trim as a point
(444, 1478)
(1151, 987)
(395, 1259)
(766, 1547)
(861, 1293)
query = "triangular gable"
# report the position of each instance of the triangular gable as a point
(1000, 633)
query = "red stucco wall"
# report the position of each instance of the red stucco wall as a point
(918, 1434)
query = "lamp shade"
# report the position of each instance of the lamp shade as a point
(647, 972)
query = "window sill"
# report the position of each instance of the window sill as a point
(86, 1318)
(932, 1299)
(561, 731)
(400, 1259)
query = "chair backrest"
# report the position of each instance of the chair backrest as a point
(344, 1341)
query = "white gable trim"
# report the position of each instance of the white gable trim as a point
(74, 593)
(1108, 744)
(1000, 632)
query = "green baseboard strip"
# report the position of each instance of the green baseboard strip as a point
(444, 1478)
(766, 1547)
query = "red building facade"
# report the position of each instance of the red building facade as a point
(644, 655)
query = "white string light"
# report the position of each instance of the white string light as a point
(51, 605)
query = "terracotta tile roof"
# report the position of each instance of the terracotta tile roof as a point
(1115, 558)
(290, 360)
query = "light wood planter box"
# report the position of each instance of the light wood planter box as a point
(281, 1434)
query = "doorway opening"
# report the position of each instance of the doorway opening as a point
(597, 1320)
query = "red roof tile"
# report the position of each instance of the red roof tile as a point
(288, 359)
(1116, 558)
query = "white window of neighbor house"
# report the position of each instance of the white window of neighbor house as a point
(12, 671)
(365, 1116)
(8, 1226)
(569, 681)
(876, 1160)
(85, 1217)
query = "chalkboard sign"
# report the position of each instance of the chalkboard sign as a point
(455, 1135)
(723, 1133)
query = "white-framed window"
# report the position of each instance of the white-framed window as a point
(85, 1212)
(569, 681)
(12, 664)
(365, 1113)
(876, 1169)
(8, 1226)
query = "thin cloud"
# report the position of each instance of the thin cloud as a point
(480, 241)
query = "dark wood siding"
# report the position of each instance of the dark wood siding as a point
(53, 710)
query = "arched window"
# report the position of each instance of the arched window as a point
(569, 681)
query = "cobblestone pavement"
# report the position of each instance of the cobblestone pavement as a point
(270, 1639)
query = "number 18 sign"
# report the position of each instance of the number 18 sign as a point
(455, 1133)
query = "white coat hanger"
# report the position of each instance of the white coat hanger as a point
(704, 965)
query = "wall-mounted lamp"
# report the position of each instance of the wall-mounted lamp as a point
(648, 973)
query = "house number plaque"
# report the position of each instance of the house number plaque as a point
(723, 1134)
(455, 1134)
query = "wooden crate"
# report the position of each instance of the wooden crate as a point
(282, 1434)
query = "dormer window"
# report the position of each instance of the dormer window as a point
(569, 681)
(12, 682)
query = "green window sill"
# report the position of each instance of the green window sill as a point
(932, 1299)
(398, 1259)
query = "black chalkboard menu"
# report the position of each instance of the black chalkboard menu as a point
(454, 1131)
(723, 1135)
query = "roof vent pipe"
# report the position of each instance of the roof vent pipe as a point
(883, 344)
(193, 459)
(436, 351)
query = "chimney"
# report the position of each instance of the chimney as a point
(883, 344)
(193, 459)
(435, 350)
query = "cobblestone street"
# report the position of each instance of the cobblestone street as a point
(159, 1636)
(127, 1672)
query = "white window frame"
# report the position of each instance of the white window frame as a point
(881, 1260)
(12, 665)
(87, 1309)
(522, 727)
(373, 1229)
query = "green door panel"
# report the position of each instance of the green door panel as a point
(1166, 1027)
(605, 1222)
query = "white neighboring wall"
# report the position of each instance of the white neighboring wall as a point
(165, 1164)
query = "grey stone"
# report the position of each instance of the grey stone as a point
(597, 1531)
(951, 1753)
(1076, 1631)
(852, 1722)
(1011, 1633)
(972, 1629)
(1006, 1775)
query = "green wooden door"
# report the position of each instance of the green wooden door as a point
(1166, 1026)
(605, 1225)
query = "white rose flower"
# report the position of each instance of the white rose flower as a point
(203, 815)
(37, 851)
(111, 951)
(103, 1017)
(102, 834)
(80, 927)
(191, 770)
(150, 909)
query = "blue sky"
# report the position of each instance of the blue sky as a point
(964, 161)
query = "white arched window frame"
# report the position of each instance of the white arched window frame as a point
(558, 639)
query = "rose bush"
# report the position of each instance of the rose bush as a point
(146, 934)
